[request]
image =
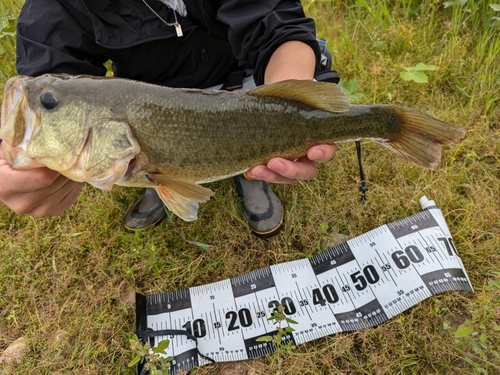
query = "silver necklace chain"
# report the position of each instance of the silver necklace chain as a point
(176, 24)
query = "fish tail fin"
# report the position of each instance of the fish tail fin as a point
(419, 137)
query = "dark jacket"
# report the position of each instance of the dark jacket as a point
(78, 37)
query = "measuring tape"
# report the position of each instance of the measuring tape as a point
(358, 284)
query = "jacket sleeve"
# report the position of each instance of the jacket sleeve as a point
(257, 27)
(51, 39)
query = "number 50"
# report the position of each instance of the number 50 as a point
(369, 275)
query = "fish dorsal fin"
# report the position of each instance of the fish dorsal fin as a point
(319, 95)
(180, 196)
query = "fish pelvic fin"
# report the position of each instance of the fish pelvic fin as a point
(180, 196)
(419, 137)
(319, 95)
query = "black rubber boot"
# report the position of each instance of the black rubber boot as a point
(261, 207)
(146, 212)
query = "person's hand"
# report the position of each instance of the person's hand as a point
(285, 171)
(292, 60)
(37, 192)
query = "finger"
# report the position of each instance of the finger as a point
(57, 202)
(71, 196)
(41, 202)
(284, 171)
(301, 169)
(321, 153)
(68, 199)
(25, 181)
(262, 172)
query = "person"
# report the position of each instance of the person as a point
(175, 43)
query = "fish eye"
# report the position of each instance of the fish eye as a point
(48, 99)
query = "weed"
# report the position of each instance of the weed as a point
(154, 359)
(416, 73)
(350, 90)
(495, 19)
(278, 317)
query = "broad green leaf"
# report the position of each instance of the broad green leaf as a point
(416, 76)
(9, 30)
(483, 338)
(495, 7)
(349, 87)
(264, 338)
(464, 330)
(134, 361)
(424, 67)
(279, 336)
(419, 67)
(134, 339)
(163, 344)
(356, 97)
(455, 2)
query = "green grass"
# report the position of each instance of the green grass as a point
(65, 281)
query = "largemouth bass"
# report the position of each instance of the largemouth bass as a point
(108, 131)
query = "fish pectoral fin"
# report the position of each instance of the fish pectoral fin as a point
(319, 95)
(180, 196)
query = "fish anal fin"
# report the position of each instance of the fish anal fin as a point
(180, 196)
(319, 95)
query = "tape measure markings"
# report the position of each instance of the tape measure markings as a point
(360, 283)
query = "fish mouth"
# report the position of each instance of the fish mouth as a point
(17, 124)
(130, 169)
(12, 95)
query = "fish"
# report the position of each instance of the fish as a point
(108, 130)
